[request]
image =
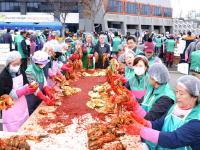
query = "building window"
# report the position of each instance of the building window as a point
(9, 7)
(157, 11)
(33, 7)
(131, 8)
(115, 6)
(167, 12)
(145, 9)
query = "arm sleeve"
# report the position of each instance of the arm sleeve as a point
(161, 106)
(186, 135)
(23, 44)
(127, 85)
(30, 77)
(158, 123)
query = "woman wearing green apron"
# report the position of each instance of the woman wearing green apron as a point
(179, 129)
(139, 81)
(88, 52)
(159, 96)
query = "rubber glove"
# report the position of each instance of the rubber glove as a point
(67, 68)
(150, 134)
(48, 92)
(25, 90)
(45, 99)
(135, 107)
(90, 56)
(133, 129)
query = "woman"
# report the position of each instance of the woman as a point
(88, 51)
(180, 127)
(129, 57)
(35, 73)
(139, 81)
(14, 83)
(159, 96)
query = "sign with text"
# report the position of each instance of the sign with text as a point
(29, 17)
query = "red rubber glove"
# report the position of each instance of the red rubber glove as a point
(131, 105)
(49, 92)
(133, 129)
(76, 56)
(90, 56)
(45, 99)
(67, 68)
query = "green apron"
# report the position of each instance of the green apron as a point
(37, 72)
(153, 94)
(173, 122)
(85, 59)
(129, 72)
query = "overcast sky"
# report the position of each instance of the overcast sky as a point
(185, 6)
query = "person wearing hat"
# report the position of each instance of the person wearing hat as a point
(138, 82)
(35, 73)
(195, 63)
(159, 96)
(179, 128)
(13, 82)
(170, 46)
(149, 52)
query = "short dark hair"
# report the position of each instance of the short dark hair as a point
(138, 58)
(8, 30)
(116, 33)
(189, 33)
(131, 38)
(150, 40)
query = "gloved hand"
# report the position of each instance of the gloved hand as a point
(141, 120)
(133, 129)
(49, 92)
(90, 56)
(76, 56)
(67, 68)
(72, 58)
(45, 99)
(25, 90)
(131, 105)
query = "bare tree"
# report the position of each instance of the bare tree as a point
(90, 9)
(60, 9)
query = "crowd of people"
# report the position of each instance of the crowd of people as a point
(172, 116)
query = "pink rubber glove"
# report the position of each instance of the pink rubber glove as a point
(149, 134)
(25, 90)
(66, 68)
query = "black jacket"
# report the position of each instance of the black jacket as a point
(6, 82)
(101, 50)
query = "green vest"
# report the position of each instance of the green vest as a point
(116, 42)
(139, 84)
(18, 41)
(195, 61)
(158, 42)
(153, 94)
(85, 59)
(170, 45)
(37, 72)
(129, 72)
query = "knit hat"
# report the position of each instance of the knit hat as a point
(12, 56)
(40, 57)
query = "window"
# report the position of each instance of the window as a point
(33, 7)
(167, 12)
(157, 11)
(9, 7)
(145, 9)
(115, 6)
(131, 8)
